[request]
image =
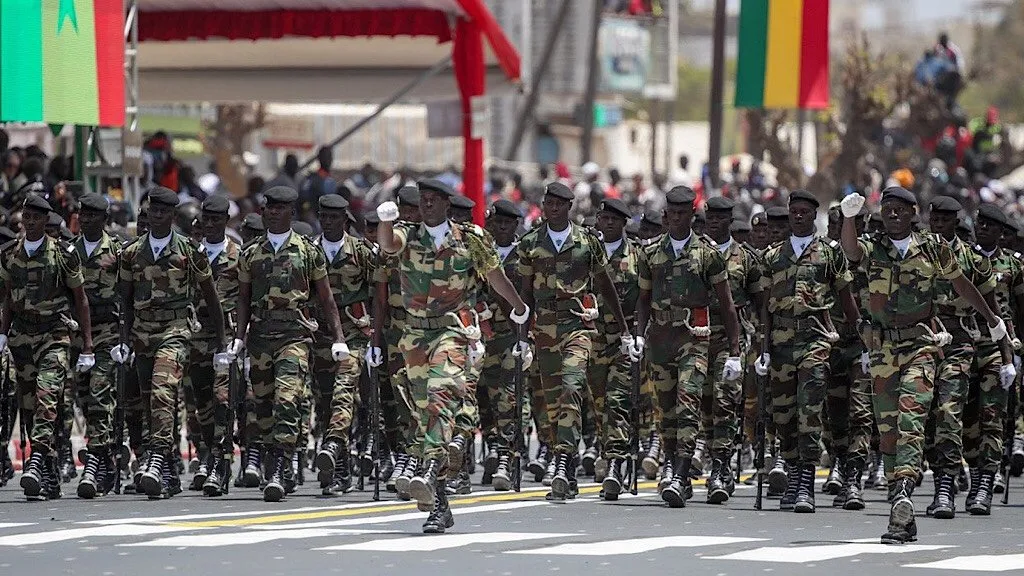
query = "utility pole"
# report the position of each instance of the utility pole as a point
(593, 71)
(717, 87)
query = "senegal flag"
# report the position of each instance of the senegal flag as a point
(62, 61)
(783, 54)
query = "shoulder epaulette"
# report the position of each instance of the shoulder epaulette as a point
(833, 244)
(1018, 255)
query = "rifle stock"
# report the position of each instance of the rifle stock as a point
(517, 425)
(760, 431)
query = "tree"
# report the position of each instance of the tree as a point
(227, 138)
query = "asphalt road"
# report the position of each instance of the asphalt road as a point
(495, 533)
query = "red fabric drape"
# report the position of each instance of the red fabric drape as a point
(468, 61)
(504, 51)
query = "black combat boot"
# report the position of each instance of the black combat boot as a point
(982, 505)
(6, 467)
(538, 466)
(999, 483)
(778, 479)
(33, 476)
(975, 483)
(834, 483)
(252, 476)
(902, 527)
(676, 493)
(151, 480)
(401, 459)
(717, 493)
(574, 487)
(491, 458)
(501, 480)
(170, 479)
(560, 487)
(51, 477)
(460, 483)
(652, 459)
(366, 457)
(788, 499)
(440, 518)
(613, 482)
(66, 464)
(962, 482)
(944, 505)
(697, 466)
(274, 491)
(549, 472)
(457, 454)
(412, 465)
(589, 459)
(385, 463)
(804, 502)
(219, 478)
(880, 481)
(424, 486)
(1017, 456)
(205, 464)
(93, 476)
(667, 473)
(326, 461)
(853, 498)
(341, 478)
(876, 471)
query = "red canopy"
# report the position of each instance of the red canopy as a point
(276, 23)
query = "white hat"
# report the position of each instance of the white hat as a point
(591, 169)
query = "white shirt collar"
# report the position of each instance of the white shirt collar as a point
(679, 245)
(331, 248)
(438, 233)
(214, 250)
(158, 244)
(988, 253)
(800, 243)
(504, 251)
(558, 238)
(90, 247)
(32, 246)
(723, 248)
(278, 240)
(611, 247)
(902, 245)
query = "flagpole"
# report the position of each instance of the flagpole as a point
(715, 106)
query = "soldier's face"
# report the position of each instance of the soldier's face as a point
(34, 223)
(556, 210)
(371, 233)
(433, 207)
(277, 217)
(989, 233)
(503, 228)
(897, 217)
(333, 223)
(943, 223)
(759, 236)
(718, 222)
(648, 230)
(92, 222)
(1010, 238)
(461, 215)
(160, 219)
(213, 226)
(801, 218)
(678, 219)
(409, 213)
(741, 237)
(610, 225)
(778, 230)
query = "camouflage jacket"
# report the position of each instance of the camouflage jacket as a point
(281, 283)
(499, 320)
(902, 290)
(560, 276)
(624, 269)
(99, 272)
(744, 270)
(39, 284)
(807, 285)
(437, 281)
(975, 267)
(685, 281)
(351, 274)
(225, 279)
(164, 288)
(1008, 270)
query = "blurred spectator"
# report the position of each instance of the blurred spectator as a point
(681, 176)
(188, 189)
(987, 141)
(10, 163)
(588, 192)
(612, 190)
(288, 176)
(317, 183)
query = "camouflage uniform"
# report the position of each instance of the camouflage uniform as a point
(681, 288)
(800, 291)
(40, 334)
(560, 279)
(434, 285)
(279, 334)
(848, 406)
(163, 298)
(400, 420)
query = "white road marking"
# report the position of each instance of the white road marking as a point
(443, 541)
(15, 524)
(401, 517)
(249, 537)
(634, 545)
(119, 530)
(802, 554)
(983, 563)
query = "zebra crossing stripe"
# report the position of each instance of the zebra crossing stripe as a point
(248, 537)
(982, 563)
(15, 524)
(119, 530)
(634, 545)
(444, 541)
(802, 554)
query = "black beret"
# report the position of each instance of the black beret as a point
(652, 218)
(805, 196)
(302, 228)
(680, 195)
(409, 196)
(720, 204)
(698, 216)
(504, 208)
(333, 202)
(590, 222)
(55, 220)
(777, 213)
(281, 195)
(6, 234)
(617, 206)
(945, 204)
(436, 186)
(899, 193)
(964, 225)
(739, 226)
(460, 201)
(759, 219)
(216, 204)
(93, 201)
(371, 218)
(253, 221)
(559, 190)
(993, 213)
(164, 197)
(1013, 223)
(37, 202)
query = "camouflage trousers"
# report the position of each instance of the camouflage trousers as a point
(750, 380)
(467, 417)
(844, 364)
(679, 369)
(209, 394)
(562, 362)
(943, 430)
(400, 419)
(278, 371)
(135, 420)
(160, 361)
(435, 362)
(98, 387)
(336, 384)
(798, 377)
(42, 363)
(539, 406)
(860, 415)
(720, 399)
(497, 403)
(985, 410)
(609, 380)
(902, 375)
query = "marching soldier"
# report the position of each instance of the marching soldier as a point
(99, 254)
(561, 264)
(677, 277)
(903, 269)
(36, 274)
(436, 261)
(277, 275)
(159, 276)
(778, 224)
(651, 226)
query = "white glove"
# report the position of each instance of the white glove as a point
(85, 363)
(943, 339)
(120, 353)
(374, 357)
(865, 362)
(476, 353)
(733, 368)
(851, 205)
(520, 319)
(1007, 374)
(636, 351)
(626, 344)
(998, 332)
(3, 342)
(589, 314)
(235, 348)
(387, 212)
(246, 366)
(762, 363)
(1015, 343)
(522, 348)
(222, 362)
(339, 351)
